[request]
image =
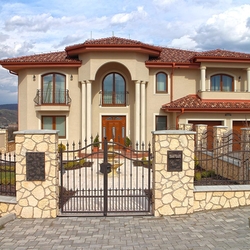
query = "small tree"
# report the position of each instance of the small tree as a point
(128, 142)
(96, 141)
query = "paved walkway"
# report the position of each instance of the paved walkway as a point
(223, 229)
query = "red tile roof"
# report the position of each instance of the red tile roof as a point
(194, 103)
(223, 53)
(167, 55)
(52, 57)
(111, 41)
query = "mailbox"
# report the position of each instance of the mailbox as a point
(105, 166)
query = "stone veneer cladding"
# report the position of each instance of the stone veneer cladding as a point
(36, 199)
(173, 191)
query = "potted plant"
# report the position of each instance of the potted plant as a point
(128, 143)
(96, 143)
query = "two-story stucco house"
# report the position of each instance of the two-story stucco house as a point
(119, 87)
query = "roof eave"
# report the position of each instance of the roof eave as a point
(222, 110)
(221, 59)
(172, 64)
(15, 66)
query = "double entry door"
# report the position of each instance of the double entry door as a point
(114, 127)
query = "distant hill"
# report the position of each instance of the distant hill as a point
(8, 106)
(8, 114)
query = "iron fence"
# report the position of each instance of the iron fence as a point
(7, 174)
(223, 161)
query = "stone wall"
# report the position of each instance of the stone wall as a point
(3, 140)
(218, 197)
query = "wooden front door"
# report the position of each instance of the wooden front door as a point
(114, 127)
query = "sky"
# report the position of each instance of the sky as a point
(42, 26)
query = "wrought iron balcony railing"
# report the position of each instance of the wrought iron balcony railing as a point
(52, 97)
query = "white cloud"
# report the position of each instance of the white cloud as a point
(126, 17)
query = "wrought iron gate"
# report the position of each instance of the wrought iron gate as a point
(111, 181)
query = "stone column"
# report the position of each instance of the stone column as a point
(89, 112)
(37, 198)
(143, 112)
(173, 189)
(137, 112)
(248, 79)
(83, 113)
(203, 78)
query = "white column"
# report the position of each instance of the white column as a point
(137, 112)
(88, 111)
(203, 78)
(83, 112)
(248, 79)
(143, 112)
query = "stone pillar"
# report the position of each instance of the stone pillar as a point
(37, 198)
(201, 137)
(203, 78)
(173, 189)
(3, 140)
(245, 154)
(186, 126)
(219, 143)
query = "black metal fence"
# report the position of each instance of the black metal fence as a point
(110, 180)
(7, 174)
(222, 161)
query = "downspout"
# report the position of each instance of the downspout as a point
(177, 118)
(172, 83)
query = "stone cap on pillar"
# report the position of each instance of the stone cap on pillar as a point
(173, 132)
(37, 132)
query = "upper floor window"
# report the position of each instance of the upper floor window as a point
(221, 82)
(53, 88)
(161, 83)
(114, 90)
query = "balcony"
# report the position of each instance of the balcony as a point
(221, 95)
(52, 100)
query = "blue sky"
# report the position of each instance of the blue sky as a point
(29, 27)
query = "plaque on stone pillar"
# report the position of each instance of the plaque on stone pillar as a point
(35, 166)
(174, 161)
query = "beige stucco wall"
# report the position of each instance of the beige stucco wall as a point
(95, 65)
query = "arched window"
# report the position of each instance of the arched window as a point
(53, 88)
(161, 83)
(114, 90)
(222, 82)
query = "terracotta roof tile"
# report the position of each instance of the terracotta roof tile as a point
(52, 57)
(193, 102)
(223, 53)
(174, 55)
(111, 41)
